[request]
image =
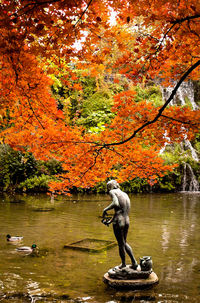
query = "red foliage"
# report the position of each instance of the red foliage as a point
(161, 39)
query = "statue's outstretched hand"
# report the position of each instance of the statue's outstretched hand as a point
(106, 221)
(104, 214)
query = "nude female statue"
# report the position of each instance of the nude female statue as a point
(121, 205)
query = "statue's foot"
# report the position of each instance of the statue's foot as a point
(134, 266)
(122, 266)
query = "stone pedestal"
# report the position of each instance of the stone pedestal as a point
(128, 278)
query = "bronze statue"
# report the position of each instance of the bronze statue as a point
(121, 205)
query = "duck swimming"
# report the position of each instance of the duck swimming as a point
(27, 249)
(14, 239)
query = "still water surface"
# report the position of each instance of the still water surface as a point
(164, 226)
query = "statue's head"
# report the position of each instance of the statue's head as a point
(112, 184)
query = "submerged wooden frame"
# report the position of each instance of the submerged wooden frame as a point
(79, 245)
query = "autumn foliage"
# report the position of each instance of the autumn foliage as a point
(151, 40)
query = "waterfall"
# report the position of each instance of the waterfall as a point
(190, 182)
(183, 96)
(189, 146)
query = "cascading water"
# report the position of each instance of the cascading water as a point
(183, 96)
(189, 146)
(190, 182)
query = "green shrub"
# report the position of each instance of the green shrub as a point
(15, 167)
(51, 167)
(137, 185)
(150, 93)
(35, 184)
(20, 171)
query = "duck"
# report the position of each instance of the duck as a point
(14, 239)
(27, 249)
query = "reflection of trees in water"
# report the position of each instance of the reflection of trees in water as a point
(181, 266)
(165, 236)
(180, 271)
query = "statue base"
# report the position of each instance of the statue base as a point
(128, 278)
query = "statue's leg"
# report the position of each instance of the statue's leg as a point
(118, 231)
(128, 248)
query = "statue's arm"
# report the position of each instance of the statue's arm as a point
(111, 220)
(114, 203)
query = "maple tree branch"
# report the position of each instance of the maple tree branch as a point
(152, 56)
(36, 4)
(71, 142)
(160, 110)
(164, 36)
(174, 23)
(177, 120)
(192, 31)
(33, 6)
(85, 10)
(33, 111)
(185, 19)
(35, 114)
(94, 163)
(122, 156)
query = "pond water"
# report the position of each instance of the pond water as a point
(164, 226)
